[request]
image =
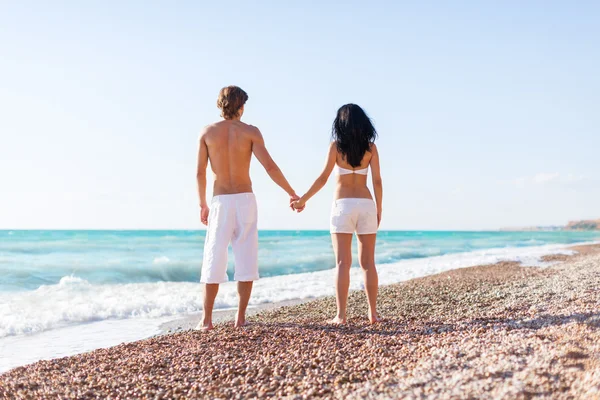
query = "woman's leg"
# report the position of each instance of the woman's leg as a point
(366, 255)
(342, 247)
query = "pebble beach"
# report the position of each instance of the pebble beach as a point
(489, 332)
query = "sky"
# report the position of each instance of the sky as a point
(487, 112)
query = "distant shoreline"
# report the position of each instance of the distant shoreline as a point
(585, 225)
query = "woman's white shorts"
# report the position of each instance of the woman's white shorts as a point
(354, 215)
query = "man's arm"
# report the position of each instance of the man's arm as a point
(263, 156)
(201, 179)
(377, 182)
(321, 180)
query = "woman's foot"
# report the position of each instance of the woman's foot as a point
(338, 321)
(375, 318)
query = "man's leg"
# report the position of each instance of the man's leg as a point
(210, 293)
(245, 251)
(214, 262)
(244, 291)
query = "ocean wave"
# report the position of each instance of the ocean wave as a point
(31, 259)
(75, 300)
(73, 281)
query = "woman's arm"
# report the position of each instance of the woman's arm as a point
(377, 183)
(321, 180)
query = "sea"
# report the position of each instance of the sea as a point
(68, 292)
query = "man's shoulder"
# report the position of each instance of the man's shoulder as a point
(218, 128)
(251, 130)
(208, 129)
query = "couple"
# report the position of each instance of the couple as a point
(232, 215)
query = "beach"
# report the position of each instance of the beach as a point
(222, 316)
(493, 331)
(68, 292)
(392, 200)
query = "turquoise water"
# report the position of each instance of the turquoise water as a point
(30, 259)
(64, 292)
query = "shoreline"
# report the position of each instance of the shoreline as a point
(226, 316)
(173, 324)
(476, 331)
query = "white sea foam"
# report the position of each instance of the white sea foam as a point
(161, 260)
(21, 350)
(75, 301)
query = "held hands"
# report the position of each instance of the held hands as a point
(296, 204)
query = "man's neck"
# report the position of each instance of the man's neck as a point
(233, 119)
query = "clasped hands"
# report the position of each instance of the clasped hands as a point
(296, 204)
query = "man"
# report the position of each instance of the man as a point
(232, 217)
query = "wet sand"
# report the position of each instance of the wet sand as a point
(497, 331)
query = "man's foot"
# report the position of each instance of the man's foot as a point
(240, 321)
(338, 321)
(375, 318)
(204, 326)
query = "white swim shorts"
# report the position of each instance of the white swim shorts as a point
(232, 219)
(354, 215)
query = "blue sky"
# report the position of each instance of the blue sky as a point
(487, 112)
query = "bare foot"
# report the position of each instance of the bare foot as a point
(240, 321)
(375, 318)
(338, 321)
(204, 326)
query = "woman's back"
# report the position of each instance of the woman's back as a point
(352, 154)
(352, 181)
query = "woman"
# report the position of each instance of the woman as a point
(352, 152)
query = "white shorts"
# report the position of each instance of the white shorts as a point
(354, 215)
(232, 219)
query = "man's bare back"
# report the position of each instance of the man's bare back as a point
(229, 144)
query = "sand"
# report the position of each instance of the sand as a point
(499, 331)
(222, 316)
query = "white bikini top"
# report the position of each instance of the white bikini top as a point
(345, 171)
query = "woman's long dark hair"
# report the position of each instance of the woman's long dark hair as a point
(353, 133)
